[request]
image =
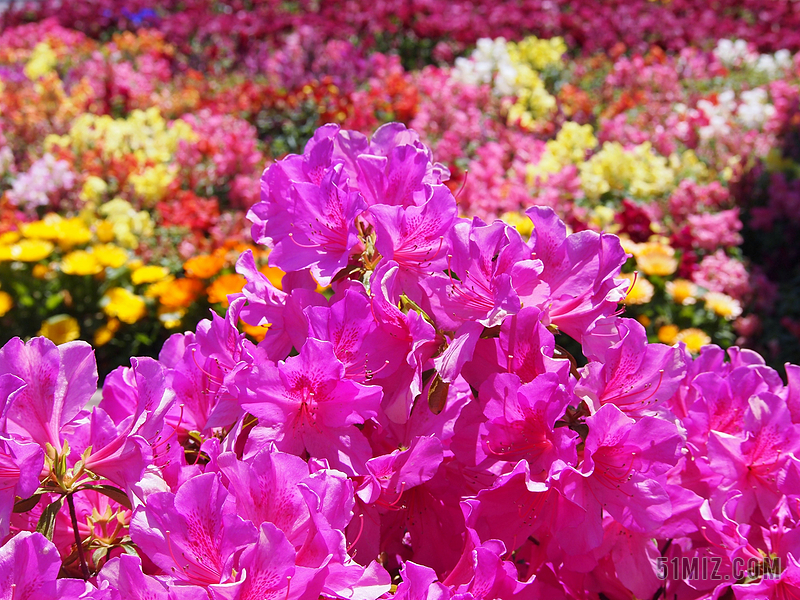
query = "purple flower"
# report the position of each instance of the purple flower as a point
(307, 405)
(623, 468)
(579, 273)
(632, 374)
(520, 421)
(59, 380)
(29, 565)
(193, 534)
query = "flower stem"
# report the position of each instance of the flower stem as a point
(78, 542)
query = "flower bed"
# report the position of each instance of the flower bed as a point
(415, 430)
(476, 332)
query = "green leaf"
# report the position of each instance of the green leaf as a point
(47, 522)
(115, 494)
(27, 504)
(98, 555)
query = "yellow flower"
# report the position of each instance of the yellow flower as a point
(153, 183)
(149, 274)
(124, 305)
(640, 290)
(110, 255)
(46, 229)
(6, 303)
(223, 285)
(644, 320)
(682, 291)
(73, 232)
(41, 272)
(693, 338)
(9, 237)
(638, 171)
(171, 317)
(156, 290)
(105, 231)
(105, 333)
(80, 262)
(27, 251)
(723, 305)
(93, 189)
(42, 61)
(60, 329)
(570, 147)
(519, 221)
(668, 334)
(602, 218)
(628, 245)
(656, 259)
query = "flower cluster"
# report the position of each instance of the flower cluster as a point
(416, 431)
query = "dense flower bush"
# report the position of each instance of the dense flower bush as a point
(416, 431)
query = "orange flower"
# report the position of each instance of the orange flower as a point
(181, 293)
(204, 266)
(274, 274)
(257, 332)
(224, 285)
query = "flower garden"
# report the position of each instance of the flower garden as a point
(400, 299)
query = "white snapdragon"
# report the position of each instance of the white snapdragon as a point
(754, 109)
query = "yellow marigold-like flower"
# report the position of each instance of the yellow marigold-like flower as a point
(640, 291)
(149, 274)
(723, 305)
(274, 274)
(644, 320)
(181, 293)
(6, 303)
(668, 334)
(80, 262)
(105, 333)
(9, 237)
(122, 304)
(628, 245)
(105, 231)
(682, 291)
(45, 229)
(42, 272)
(519, 221)
(110, 255)
(656, 259)
(27, 251)
(257, 332)
(156, 290)
(60, 329)
(204, 266)
(693, 338)
(73, 232)
(223, 285)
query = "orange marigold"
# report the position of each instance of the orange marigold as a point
(204, 266)
(224, 285)
(181, 293)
